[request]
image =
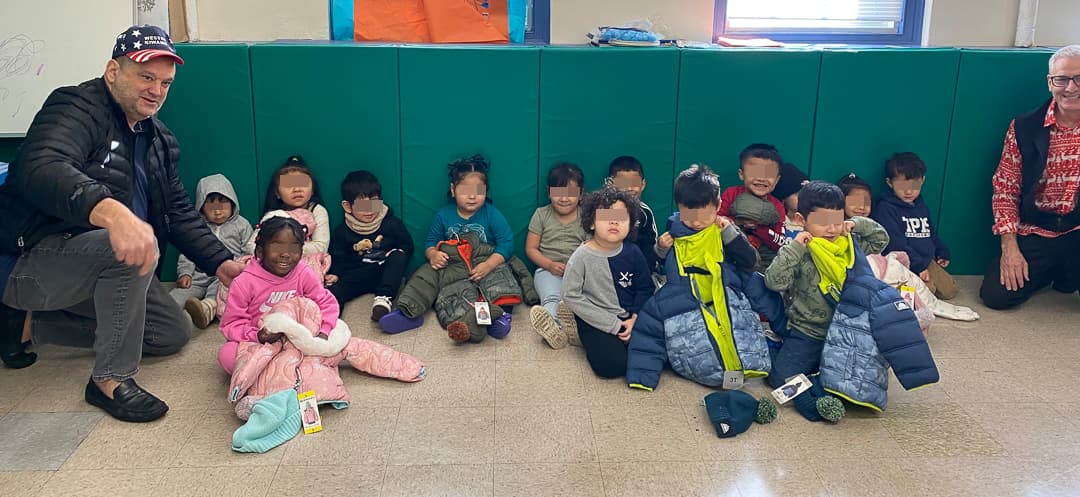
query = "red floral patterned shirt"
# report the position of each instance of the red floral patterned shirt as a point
(1056, 190)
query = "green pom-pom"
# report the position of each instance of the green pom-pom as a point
(830, 408)
(766, 411)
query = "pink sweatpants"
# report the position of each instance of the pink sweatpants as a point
(226, 356)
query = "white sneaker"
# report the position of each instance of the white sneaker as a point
(380, 307)
(954, 312)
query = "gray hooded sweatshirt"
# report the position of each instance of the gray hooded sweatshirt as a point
(234, 232)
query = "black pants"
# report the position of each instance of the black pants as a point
(1050, 260)
(605, 352)
(381, 279)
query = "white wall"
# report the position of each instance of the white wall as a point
(689, 19)
(262, 20)
(1058, 23)
(966, 23)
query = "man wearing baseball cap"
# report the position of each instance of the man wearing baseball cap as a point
(90, 201)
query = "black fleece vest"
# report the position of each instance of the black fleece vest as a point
(1033, 140)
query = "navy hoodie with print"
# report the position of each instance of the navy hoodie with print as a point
(910, 230)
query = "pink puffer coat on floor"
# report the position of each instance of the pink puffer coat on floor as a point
(305, 362)
(893, 270)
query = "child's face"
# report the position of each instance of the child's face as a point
(857, 203)
(217, 210)
(295, 189)
(698, 218)
(906, 189)
(470, 193)
(823, 223)
(564, 199)
(281, 254)
(630, 181)
(365, 209)
(791, 205)
(759, 175)
(612, 224)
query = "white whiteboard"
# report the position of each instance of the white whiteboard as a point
(48, 44)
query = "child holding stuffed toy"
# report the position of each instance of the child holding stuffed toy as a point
(370, 250)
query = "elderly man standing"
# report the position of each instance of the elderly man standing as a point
(90, 201)
(1036, 212)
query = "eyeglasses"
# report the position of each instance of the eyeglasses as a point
(1063, 81)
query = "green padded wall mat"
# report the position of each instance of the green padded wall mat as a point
(729, 99)
(874, 103)
(335, 105)
(458, 101)
(994, 86)
(598, 104)
(8, 147)
(209, 110)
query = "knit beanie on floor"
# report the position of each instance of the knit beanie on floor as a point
(274, 420)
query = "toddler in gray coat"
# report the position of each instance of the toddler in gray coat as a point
(215, 199)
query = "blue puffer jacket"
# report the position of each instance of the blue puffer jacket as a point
(873, 327)
(672, 328)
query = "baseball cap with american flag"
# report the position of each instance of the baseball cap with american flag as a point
(142, 43)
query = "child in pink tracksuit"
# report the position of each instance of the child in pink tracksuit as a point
(274, 275)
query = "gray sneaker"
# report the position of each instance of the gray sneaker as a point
(569, 325)
(546, 327)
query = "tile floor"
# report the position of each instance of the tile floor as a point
(515, 418)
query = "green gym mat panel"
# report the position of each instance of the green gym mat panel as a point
(209, 110)
(729, 99)
(336, 106)
(8, 148)
(457, 101)
(994, 86)
(877, 102)
(598, 104)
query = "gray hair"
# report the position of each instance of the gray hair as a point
(1067, 51)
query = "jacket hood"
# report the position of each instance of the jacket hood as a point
(216, 183)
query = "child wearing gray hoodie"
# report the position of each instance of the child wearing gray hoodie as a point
(216, 200)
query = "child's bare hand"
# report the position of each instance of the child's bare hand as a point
(557, 269)
(480, 270)
(848, 226)
(804, 238)
(943, 262)
(266, 337)
(438, 260)
(628, 328)
(723, 222)
(925, 275)
(183, 281)
(330, 279)
(665, 241)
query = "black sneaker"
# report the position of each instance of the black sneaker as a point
(12, 349)
(129, 403)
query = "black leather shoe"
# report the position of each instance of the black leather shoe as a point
(129, 402)
(12, 349)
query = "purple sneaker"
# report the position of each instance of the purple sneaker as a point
(499, 328)
(396, 322)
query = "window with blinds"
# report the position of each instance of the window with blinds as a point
(825, 20)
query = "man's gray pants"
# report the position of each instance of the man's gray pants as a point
(81, 296)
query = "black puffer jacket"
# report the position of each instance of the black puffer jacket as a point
(78, 152)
